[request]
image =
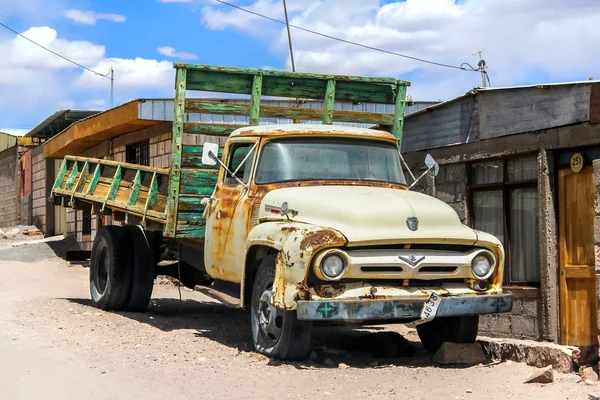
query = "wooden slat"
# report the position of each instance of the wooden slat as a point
(60, 177)
(579, 272)
(198, 182)
(94, 181)
(72, 176)
(162, 171)
(152, 192)
(255, 99)
(329, 103)
(210, 129)
(178, 129)
(294, 113)
(135, 189)
(191, 203)
(398, 124)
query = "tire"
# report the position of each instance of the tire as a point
(280, 335)
(461, 329)
(110, 269)
(143, 269)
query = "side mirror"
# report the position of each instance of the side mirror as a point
(432, 164)
(210, 153)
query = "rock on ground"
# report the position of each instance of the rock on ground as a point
(589, 373)
(459, 353)
(541, 375)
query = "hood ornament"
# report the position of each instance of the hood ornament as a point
(412, 260)
(412, 223)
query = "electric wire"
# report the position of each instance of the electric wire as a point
(343, 40)
(55, 53)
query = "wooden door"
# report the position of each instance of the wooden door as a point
(578, 308)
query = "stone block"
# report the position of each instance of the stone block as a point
(541, 375)
(484, 323)
(523, 327)
(500, 325)
(459, 353)
(517, 308)
(535, 354)
(456, 173)
(461, 209)
(160, 148)
(530, 308)
(596, 175)
(153, 150)
(446, 192)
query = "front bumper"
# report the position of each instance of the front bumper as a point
(403, 309)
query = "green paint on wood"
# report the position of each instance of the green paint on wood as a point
(94, 181)
(210, 129)
(398, 126)
(80, 181)
(255, 99)
(135, 189)
(72, 176)
(329, 103)
(60, 176)
(179, 113)
(152, 192)
(114, 187)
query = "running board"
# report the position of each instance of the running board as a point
(223, 298)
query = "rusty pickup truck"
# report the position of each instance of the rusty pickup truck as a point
(296, 223)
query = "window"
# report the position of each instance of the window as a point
(236, 156)
(86, 226)
(504, 202)
(289, 160)
(138, 153)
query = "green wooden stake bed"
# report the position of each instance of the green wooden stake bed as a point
(296, 223)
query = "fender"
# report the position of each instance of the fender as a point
(296, 243)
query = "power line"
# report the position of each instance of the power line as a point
(55, 53)
(343, 40)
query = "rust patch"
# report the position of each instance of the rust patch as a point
(289, 229)
(317, 239)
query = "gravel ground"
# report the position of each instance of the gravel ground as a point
(53, 345)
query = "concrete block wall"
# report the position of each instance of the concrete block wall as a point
(9, 188)
(521, 323)
(39, 197)
(451, 188)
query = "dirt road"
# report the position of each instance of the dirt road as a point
(53, 345)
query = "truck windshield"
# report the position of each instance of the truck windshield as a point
(336, 159)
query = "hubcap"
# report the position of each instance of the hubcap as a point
(270, 319)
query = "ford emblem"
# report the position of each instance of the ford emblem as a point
(412, 223)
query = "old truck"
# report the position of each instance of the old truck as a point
(297, 223)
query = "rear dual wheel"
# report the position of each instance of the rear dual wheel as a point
(122, 269)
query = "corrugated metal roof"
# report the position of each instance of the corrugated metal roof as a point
(58, 122)
(14, 131)
(162, 110)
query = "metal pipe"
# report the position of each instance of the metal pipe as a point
(287, 24)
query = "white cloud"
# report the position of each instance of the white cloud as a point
(91, 17)
(524, 41)
(35, 83)
(171, 53)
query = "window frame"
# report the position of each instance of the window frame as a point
(505, 186)
(144, 159)
(249, 162)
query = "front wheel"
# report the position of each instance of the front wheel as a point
(461, 329)
(276, 333)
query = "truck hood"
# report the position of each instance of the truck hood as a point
(370, 215)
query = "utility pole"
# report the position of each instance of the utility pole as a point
(287, 24)
(112, 85)
(482, 67)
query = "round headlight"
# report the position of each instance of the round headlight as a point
(482, 265)
(333, 266)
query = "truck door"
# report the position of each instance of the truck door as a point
(230, 212)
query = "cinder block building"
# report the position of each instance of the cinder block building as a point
(518, 162)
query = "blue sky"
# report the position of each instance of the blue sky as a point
(529, 41)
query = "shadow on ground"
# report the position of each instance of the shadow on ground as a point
(333, 346)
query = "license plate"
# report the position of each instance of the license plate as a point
(430, 308)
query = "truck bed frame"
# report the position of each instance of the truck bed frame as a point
(170, 199)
